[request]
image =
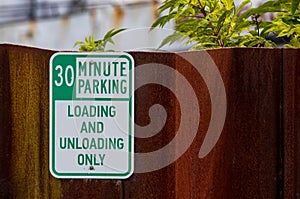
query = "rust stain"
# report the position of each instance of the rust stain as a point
(118, 16)
(93, 18)
(154, 8)
(31, 32)
(32, 29)
(65, 21)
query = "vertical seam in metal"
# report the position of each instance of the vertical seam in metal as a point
(282, 129)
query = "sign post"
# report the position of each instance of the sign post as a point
(91, 115)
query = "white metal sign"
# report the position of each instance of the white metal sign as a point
(91, 115)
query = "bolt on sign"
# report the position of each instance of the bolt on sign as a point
(91, 115)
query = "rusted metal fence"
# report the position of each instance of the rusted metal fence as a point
(256, 155)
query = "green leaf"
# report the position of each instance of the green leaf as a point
(221, 19)
(242, 26)
(117, 31)
(295, 4)
(112, 33)
(91, 45)
(168, 4)
(269, 6)
(78, 43)
(242, 5)
(295, 43)
(161, 21)
(229, 4)
(170, 39)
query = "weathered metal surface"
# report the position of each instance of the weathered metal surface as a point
(25, 132)
(245, 162)
(5, 124)
(260, 131)
(160, 183)
(25, 123)
(291, 107)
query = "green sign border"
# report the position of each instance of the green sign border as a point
(130, 100)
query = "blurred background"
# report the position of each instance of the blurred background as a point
(58, 24)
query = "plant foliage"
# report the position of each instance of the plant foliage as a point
(99, 45)
(219, 23)
(287, 23)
